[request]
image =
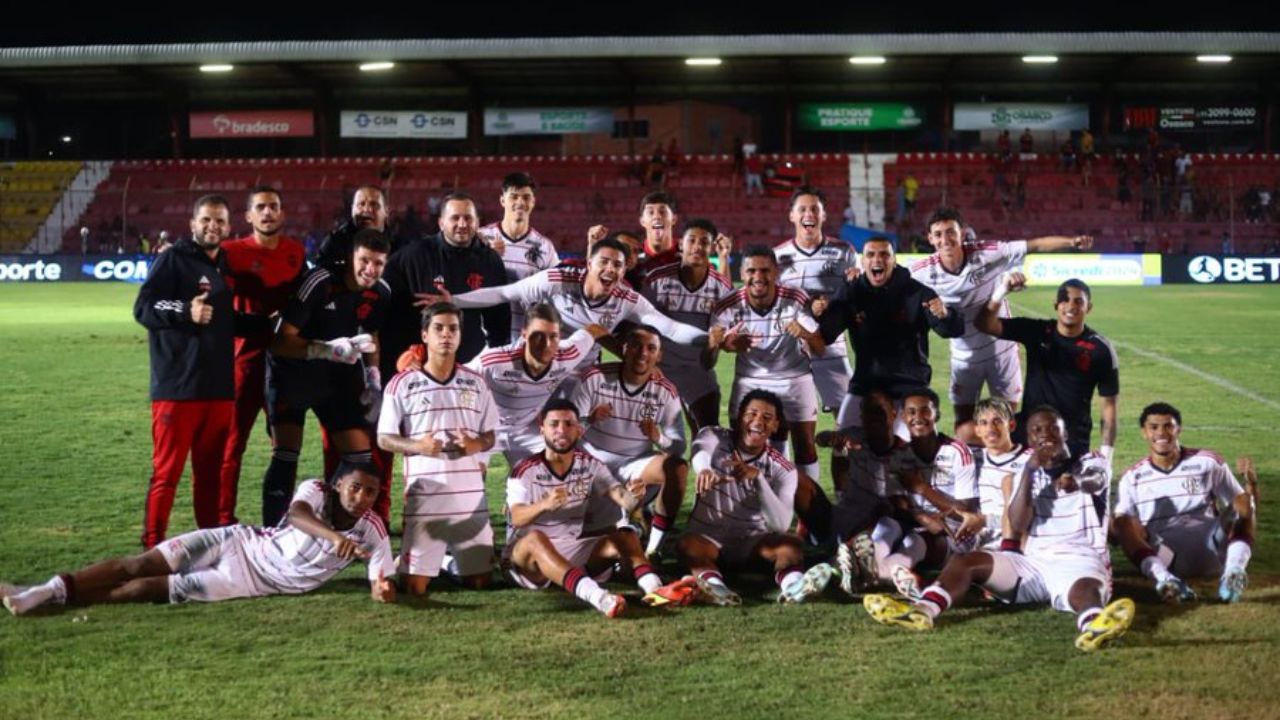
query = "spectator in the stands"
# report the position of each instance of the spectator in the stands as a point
(1027, 142)
(1004, 145)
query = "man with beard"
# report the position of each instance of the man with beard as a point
(264, 268)
(186, 306)
(888, 316)
(455, 260)
(550, 496)
(368, 210)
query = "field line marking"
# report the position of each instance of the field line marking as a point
(1221, 382)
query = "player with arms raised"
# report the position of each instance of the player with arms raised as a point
(964, 275)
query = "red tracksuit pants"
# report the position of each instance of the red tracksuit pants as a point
(179, 427)
(251, 399)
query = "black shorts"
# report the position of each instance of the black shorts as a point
(330, 390)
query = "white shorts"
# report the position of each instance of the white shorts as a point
(517, 446)
(1002, 375)
(468, 538)
(849, 419)
(799, 396)
(1018, 579)
(735, 550)
(1191, 550)
(211, 565)
(624, 468)
(693, 383)
(831, 374)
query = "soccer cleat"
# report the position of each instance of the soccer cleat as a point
(812, 583)
(888, 610)
(25, 602)
(1174, 590)
(847, 566)
(1234, 581)
(677, 594)
(907, 582)
(1111, 623)
(613, 606)
(864, 549)
(717, 594)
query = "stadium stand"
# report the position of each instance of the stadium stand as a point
(28, 192)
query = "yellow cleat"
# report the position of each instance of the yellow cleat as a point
(888, 610)
(1111, 623)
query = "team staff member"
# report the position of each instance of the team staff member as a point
(185, 304)
(1066, 361)
(456, 260)
(368, 210)
(264, 268)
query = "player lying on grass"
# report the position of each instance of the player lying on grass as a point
(1060, 507)
(550, 496)
(745, 493)
(327, 527)
(1182, 514)
(872, 517)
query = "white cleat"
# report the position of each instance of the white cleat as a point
(907, 582)
(811, 584)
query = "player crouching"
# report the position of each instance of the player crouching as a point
(550, 496)
(1182, 514)
(327, 527)
(746, 491)
(1060, 504)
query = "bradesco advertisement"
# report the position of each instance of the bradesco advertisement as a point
(64, 268)
(1222, 269)
(1093, 268)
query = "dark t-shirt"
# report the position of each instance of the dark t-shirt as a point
(324, 308)
(1062, 372)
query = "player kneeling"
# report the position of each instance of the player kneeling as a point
(327, 527)
(1182, 514)
(1060, 504)
(549, 496)
(746, 491)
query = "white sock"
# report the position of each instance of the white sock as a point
(649, 582)
(1086, 616)
(914, 547)
(54, 591)
(655, 540)
(1155, 569)
(811, 469)
(1238, 554)
(793, 576)
(592, 593)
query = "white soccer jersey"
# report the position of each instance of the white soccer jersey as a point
(562, 287)
(970, 289)
(532, 480)
(415, 405)
(1073, 523)
(619, 437)
(880, 475)
(522, 257)
(663, 288)
(820, 271)
(1189, 494)
(992, 471)
(518, 395)
(287, 560)
(742, 508)
(775, 354)
(951, 472)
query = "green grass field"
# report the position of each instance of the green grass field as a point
(75, 461)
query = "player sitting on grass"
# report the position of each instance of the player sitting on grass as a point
(1182, 514)
(634, 426)
(947, 467)
(1060, 506)
(745, 493)
(999, 466)
(872, 517)
(327, 527)
(549, 496)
